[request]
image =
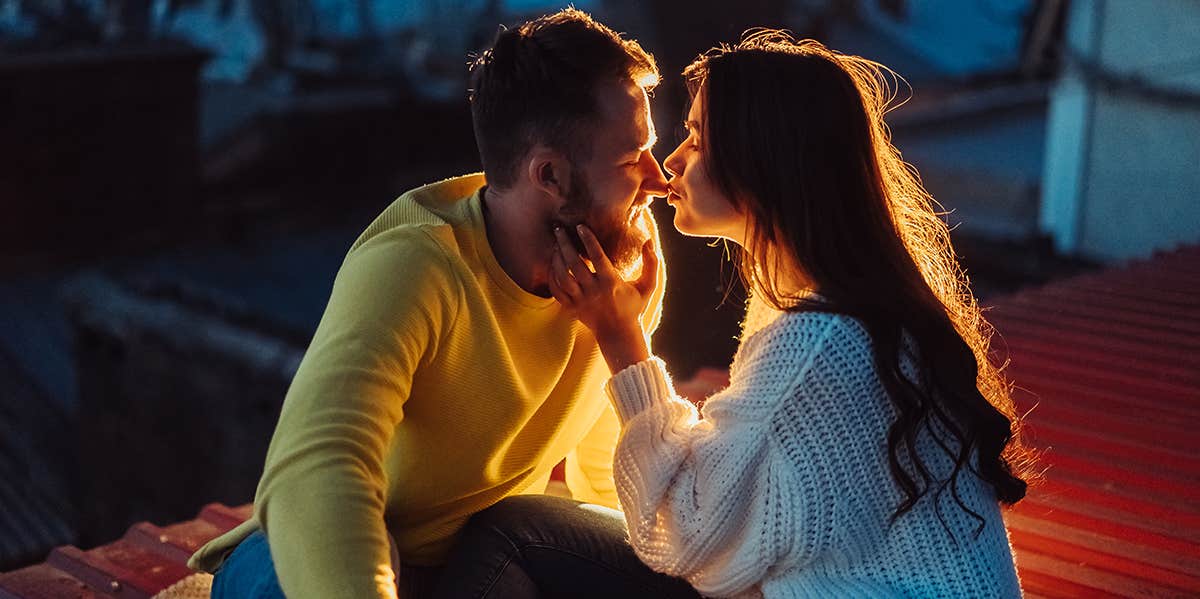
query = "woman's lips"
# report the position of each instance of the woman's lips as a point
(672, 195)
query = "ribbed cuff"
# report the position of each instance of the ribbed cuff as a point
(638, 387)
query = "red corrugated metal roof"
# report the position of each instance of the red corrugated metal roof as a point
(145, 561)
(1108, 365)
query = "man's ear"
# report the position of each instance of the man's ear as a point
(549, 172)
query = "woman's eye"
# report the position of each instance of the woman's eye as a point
(681, 133)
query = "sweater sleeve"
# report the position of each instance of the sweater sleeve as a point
(321, 498)
(709, 499)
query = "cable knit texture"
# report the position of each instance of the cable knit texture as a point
(781, 488)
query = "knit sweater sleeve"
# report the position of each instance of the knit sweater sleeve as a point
(321, 497)
(704, 497)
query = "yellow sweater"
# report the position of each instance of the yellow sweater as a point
(433, 388)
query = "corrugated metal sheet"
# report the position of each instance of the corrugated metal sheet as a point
(1108, 365)
(145, 561)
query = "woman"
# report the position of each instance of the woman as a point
(865, 442)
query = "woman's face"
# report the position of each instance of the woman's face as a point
(701, 209)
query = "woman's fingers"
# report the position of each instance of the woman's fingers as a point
(561, 279)
(572, 260)
(567, 305)
(556, 290)
(649, 277)
(595, 252)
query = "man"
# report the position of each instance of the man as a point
(443, 377)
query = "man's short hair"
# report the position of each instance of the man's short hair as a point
(537, 84)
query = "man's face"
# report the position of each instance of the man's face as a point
(612, 190)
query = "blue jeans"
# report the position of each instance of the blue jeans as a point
(249, 573)
(530, 546)
(526, 546)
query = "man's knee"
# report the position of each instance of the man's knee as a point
(524, 519)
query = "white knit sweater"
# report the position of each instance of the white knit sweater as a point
(782, 487)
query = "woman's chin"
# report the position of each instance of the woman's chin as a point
(687, 227)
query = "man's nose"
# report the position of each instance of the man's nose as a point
(655, 184)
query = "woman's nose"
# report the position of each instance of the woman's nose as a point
(673, 164)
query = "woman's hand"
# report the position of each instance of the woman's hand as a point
(604, 302)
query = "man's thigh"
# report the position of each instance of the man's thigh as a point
(543, 546)
(248, 572)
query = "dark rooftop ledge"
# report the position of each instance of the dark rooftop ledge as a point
(1110, 360)
(145, 562)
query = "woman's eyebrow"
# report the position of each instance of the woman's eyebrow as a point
(692, 126)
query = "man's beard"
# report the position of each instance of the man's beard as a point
(622, 237)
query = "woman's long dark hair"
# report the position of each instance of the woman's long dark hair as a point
(794, 134)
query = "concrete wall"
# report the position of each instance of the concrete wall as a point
(1122, 170)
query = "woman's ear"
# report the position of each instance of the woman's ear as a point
(549, 172)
